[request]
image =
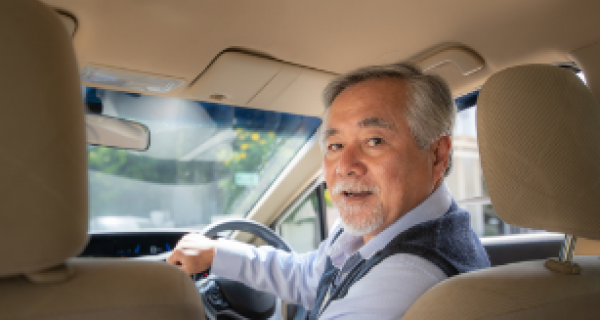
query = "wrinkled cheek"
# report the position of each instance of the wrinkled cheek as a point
(397, 185)
(329, 167)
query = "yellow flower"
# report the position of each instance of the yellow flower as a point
(255, 136)
(327, 195)
(226, 162)
(244, 146)
(222, 155)
(239, 130)
(243, 155)
(262, 142)
(271, 134)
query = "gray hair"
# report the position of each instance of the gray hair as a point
(430, 109)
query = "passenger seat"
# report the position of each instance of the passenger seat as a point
(539, 139)
(44, 192)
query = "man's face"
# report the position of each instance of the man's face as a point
(373, 167)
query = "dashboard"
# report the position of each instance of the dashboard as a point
(135, 244)
(131, 245)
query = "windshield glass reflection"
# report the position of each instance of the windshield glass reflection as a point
(206, 161)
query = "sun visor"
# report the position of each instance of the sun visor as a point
(247, 80)
(457, 64)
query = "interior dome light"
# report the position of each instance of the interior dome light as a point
(129, 80)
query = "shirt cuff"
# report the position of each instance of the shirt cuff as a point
(229, 258)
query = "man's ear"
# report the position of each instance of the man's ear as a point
(441, 150)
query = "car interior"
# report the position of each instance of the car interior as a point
(127, 124)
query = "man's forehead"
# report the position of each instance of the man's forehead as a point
(365, 116)
(369, 122)
(374, 103)
(376, 98)
(374, 90)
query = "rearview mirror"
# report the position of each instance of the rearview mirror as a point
(115, 132)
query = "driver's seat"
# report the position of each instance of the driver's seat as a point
(44, 192)
(538, 128)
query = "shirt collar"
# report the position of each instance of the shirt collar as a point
(435, 206)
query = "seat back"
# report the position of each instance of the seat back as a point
(44, 195)
(539, 140)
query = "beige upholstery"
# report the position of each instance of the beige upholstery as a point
(43, 160)
(516, 291)
(104, 289)
(539, 139)
(43, 194)
(587, 247)
(181, 38)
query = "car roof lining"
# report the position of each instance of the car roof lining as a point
(181, 38)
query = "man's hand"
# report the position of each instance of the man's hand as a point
(194, 253)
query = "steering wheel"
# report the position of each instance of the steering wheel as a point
(227, 298)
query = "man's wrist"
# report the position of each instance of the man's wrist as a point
(229, 257)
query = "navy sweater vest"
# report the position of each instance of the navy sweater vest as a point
(448, 242)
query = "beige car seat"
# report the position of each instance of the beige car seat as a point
(44, 192)
(539, 138)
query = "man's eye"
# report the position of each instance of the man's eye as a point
(334, 146)
(372, 142)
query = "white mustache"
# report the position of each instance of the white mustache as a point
(354, 186)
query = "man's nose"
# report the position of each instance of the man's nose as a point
(351, 163)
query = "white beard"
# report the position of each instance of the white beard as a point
(359, 223)
(358, 219)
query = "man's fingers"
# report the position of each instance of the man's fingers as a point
(187, 268)
(193, 253)
(175, 258)
(178, 259)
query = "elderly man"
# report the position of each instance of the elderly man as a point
(387, 144)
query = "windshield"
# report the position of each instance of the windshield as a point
(206, 161)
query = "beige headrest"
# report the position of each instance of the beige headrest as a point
(43, 161)
(539, 139)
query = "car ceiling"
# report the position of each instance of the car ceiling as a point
(180, 38)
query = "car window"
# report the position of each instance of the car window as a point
(301, 228)
(466, 181)
(206, 161)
